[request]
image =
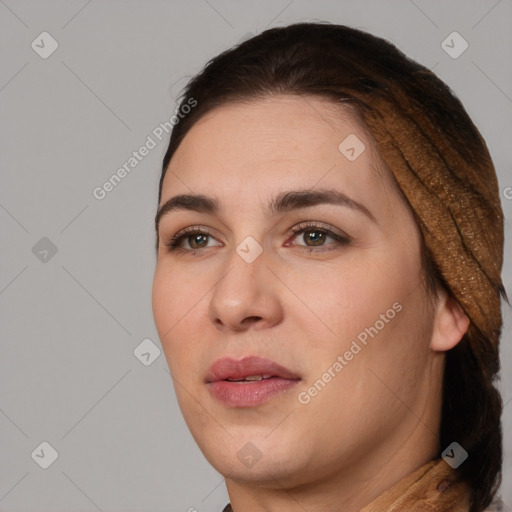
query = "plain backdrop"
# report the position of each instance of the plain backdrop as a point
(82, 85)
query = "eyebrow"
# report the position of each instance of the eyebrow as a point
(282, 203)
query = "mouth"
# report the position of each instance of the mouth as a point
(248, 369)
(251, 378)
(248, 382)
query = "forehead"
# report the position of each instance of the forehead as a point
(247, 149)
(279, 126)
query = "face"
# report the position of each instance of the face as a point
(329, 290)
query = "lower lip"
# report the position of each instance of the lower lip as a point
(249, 393)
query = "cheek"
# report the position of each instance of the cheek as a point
(174, 295)
(163, 301)
(173, 311)
(180, 310)
(173, 308)
(350, 302)
(345, 298)
(378, 313)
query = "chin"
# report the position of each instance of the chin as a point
(256, 459)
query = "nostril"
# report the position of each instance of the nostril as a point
(251, 319)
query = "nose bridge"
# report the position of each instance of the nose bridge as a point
(245, 290)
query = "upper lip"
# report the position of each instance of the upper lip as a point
(230, 368)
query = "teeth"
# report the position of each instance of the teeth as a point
(251, 378)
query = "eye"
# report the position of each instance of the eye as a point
(196, 237)
(316, 235)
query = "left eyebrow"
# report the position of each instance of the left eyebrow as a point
(282, 203)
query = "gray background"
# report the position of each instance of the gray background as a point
(70, 324)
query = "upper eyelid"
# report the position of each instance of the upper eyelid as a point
(191, 230)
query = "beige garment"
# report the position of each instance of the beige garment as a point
(431, 488)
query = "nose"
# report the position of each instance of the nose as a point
(247, 296)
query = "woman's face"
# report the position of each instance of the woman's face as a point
(339, 303)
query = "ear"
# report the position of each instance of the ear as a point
(450, 323)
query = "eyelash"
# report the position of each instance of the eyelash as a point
(174, 241)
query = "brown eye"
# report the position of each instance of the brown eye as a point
(314, 236)
(196, 238)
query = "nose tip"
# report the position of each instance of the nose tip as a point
(246, 299)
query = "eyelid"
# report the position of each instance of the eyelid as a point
(319, 226)
(176, 239)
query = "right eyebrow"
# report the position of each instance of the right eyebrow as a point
(196, 203)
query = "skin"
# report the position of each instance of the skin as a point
(301, 304)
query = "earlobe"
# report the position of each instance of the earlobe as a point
(450, 323)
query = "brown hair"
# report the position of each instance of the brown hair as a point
(345, 64)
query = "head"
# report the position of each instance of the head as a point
(321, 244)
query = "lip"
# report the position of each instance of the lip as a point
(230, 368)
(248, 393)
